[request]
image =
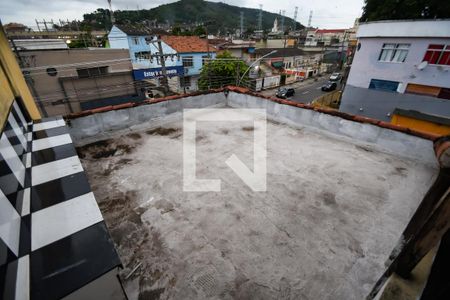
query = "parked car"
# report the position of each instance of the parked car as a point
(335, 77)
(285, 92)
(329, 86)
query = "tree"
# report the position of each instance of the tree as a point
(176, 30)
(404, 9)
(222, 71)
(199, 30)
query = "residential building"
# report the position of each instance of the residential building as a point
(280, 42)
(307, 63)
(15, 27)
(324, 37)
(66, 81)
(238, 48)
(39, 44)
(194, 53)
(400, 64)
(142, 44)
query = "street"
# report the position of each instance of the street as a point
(306, 91)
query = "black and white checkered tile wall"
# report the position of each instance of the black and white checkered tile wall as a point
(53, 239)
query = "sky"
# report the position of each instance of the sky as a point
(326, 13)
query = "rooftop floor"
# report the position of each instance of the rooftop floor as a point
(332, 213)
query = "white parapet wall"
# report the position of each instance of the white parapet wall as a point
(100, 126)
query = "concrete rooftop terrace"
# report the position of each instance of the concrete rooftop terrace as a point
(339, 194)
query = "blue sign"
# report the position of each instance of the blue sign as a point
(157, 72)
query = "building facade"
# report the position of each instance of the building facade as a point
(66, 81)
(324, 37)
(305, 63)
(143, 49)
(194, 54)
(400, 64)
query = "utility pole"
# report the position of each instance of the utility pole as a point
(242, 23)
(310, 18)
(294, 27)
(111, 13)
(260, 18)
(282, 20)
(162, 57)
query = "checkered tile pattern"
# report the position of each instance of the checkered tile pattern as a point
(53, 239)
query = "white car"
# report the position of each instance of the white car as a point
(335, 77)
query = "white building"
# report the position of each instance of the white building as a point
(324, 37)
(400, 64)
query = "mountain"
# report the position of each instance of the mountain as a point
(219, 16)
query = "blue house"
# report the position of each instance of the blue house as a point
(194, 53)
(140, 42)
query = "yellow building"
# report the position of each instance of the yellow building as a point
(421, 122)
(13, 85)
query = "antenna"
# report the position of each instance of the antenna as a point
(295, 18)
(260, 17)
(310, 17)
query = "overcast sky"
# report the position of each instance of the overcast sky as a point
(326, 13)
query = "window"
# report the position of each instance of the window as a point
(205, 59)
(426, 90)
(188, 61)
(142, 55)
(52, 72)
(394, 52)
(438, 55)
(384, 85)
(135, 40)
(92, 72)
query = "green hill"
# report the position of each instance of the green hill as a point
(220, 15)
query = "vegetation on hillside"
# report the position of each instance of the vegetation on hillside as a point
(220, 16)
(375, 10)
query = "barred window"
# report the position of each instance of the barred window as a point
(92, 72)
(142, 55)
(438, 55)
(188, 61)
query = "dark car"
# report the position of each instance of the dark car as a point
(329, 86)
(285, 92)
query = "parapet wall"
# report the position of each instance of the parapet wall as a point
(97, 125)
(383, 139)
(101, 123)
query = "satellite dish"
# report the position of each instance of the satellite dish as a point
(422, 65)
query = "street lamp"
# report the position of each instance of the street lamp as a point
(270, 53)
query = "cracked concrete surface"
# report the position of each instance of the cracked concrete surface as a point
(332, 213)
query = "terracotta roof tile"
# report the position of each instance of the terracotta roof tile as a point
(330, 30)
(187, 44)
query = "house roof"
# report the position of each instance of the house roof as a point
(41, 44)
(187, 44)
(140, 30)
(322, 31)
(280, 52)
